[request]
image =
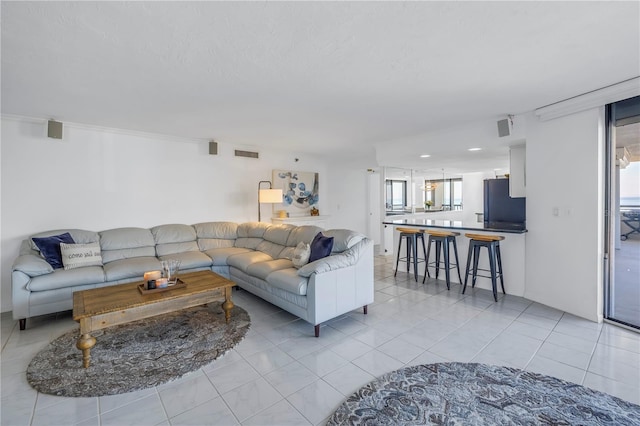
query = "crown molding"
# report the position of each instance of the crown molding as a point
(597, 98)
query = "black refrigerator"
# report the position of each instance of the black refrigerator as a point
(498, 206)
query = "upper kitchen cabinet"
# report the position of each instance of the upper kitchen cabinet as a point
(517, 171)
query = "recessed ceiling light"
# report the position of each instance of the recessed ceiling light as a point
(495, 170)
(475, 149)
(425, 156)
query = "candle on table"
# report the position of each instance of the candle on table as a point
(152, 275)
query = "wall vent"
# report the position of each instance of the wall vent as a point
(248, 154)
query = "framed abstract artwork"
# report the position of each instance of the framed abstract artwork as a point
(299, 191)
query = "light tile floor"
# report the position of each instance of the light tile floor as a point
(280, 374)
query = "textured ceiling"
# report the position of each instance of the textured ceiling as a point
(321, 77)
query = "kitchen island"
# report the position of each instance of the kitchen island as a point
(512, 248)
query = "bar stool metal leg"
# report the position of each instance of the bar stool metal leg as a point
(455, 252)
(492, 268)
(398, 255)
(466, 270)
(476, 259)
(445, 253)
(426, 259)
(438, 248)
(415, 256)
(427, 274)
(500, 267)
(408, 254)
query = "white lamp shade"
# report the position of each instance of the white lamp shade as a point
(270, 196)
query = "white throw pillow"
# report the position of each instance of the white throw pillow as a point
(301, 255)
(79, 255)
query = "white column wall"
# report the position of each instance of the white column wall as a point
(348, 207)
(473, 195)
(98, 179)
(564, 175)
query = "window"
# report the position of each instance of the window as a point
(445, 194)
(396, 194)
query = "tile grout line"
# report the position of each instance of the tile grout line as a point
(593, 351)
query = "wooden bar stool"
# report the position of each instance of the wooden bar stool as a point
(492, 243)
(442, 239)
(411, 235)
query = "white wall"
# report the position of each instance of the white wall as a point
(98, 179)
(348, 183)
(564, 252)
(473, 195)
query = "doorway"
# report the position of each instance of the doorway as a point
(622, 280)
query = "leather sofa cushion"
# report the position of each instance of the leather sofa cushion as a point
(272, 249)
(220, 255)
(174, 238)
(252, 229)
(32, 265)
(343, 239)
(251, 234)
(113, 255)
(243, 260)
(171, 248)
(125, 243)
(263, 269)
(126, 238)
(278, 234)
(304, 234)
(205, 244)
(289, 280)
(173, 233)
(190, 259)
(134, 267)
(248, 242)
(217, 230)
(61, 278)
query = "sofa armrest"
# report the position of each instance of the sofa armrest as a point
(20, 294)
(342, 290)
(32, 265)
(337, 261)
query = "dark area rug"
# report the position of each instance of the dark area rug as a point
(138, 355)
(478, 394)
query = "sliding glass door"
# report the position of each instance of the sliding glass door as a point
(622, 280)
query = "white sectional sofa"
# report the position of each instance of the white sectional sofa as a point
(257, 256)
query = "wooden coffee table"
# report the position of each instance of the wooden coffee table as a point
(104, 307)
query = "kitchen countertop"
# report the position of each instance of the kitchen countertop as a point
(508, 227)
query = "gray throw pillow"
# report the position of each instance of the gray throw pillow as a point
(301, 255)
(79, 255)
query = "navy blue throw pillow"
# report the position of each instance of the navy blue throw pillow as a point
(320, 247)
(50, 248)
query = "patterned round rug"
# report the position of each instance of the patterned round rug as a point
(139, 354)
(478, 394)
